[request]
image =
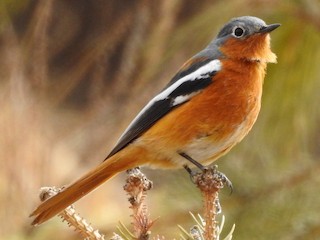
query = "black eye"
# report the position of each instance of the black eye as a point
(238, 32)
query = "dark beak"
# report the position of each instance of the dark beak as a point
(269, 28)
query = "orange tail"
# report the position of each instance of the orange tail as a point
(115, 164)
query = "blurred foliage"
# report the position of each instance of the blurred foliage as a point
(74, 73)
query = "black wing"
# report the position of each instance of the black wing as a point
(188, 82)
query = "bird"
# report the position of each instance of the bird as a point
(207, 107)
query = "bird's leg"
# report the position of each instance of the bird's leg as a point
(219, 177)
(194, 162)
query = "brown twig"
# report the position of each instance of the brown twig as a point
(71, 217)
(210, 181)
(137, 185)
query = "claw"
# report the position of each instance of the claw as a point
(226, 181)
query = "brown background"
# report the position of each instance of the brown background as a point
(74, 73)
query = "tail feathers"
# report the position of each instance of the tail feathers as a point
(81, 187)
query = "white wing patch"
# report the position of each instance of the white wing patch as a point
(182, 98)
(202, 72)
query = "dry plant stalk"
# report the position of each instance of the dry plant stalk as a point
(137, 185)
(210, 181)
(71, 217)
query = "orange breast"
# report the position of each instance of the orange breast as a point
(256, 47)
(212, 121)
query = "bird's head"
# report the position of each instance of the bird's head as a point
(246, 38)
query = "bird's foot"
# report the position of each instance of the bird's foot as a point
(209, 178)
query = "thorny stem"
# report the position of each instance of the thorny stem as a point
(210, 181)
(137, 185)
(71, 217)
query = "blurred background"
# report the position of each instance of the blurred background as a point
(74, 74)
